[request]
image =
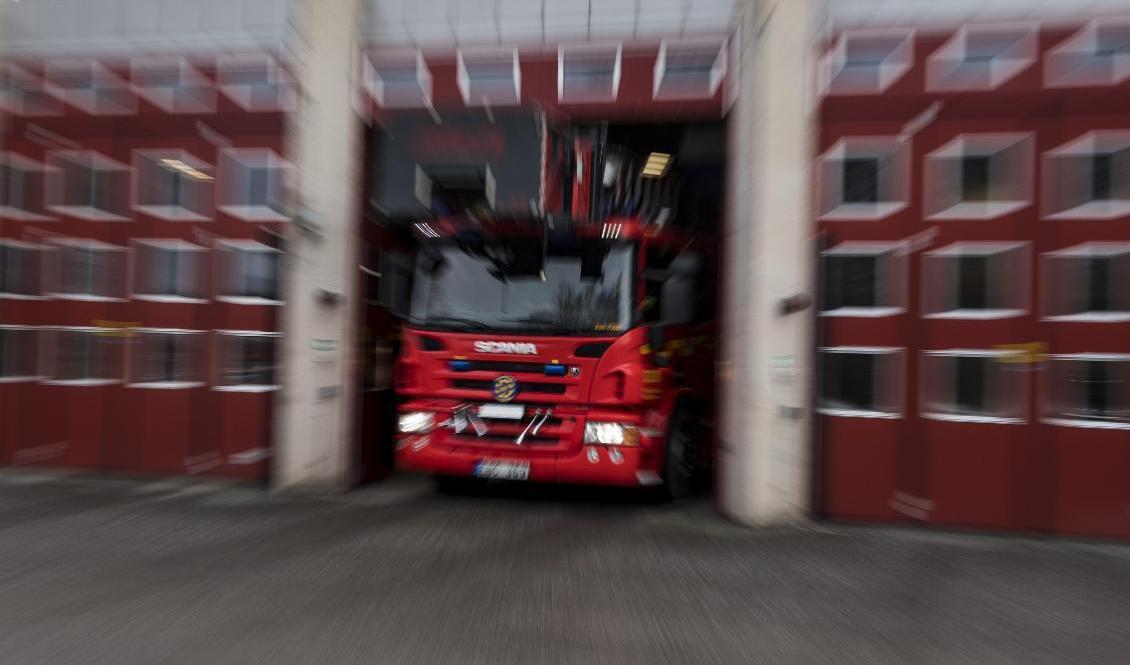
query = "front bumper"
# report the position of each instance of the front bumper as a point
(570, 461)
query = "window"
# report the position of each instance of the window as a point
(974, 385)
(253, 186)
(246, 360)
(23, 93)
(22, 188)
(1087, 282)
(89, 186)
(1089, 390)
(86, 356)
(1098, 54)
(680, 292)
(689, 69)
(588, 73)
(1088, 177)
(861, 381)
(861, 63)
(255, 82)
(863, 279)
(864, 177)
(975, 280)
(20, 269)
(399, 80)
(18, 352)
(975, 178)
(167, 358)
(90, 86)
(89, 270)
(979, 176)
(489, 77)
(173, 84)
(250, 271)
(171, 270)
(981, 57)
(172, 185)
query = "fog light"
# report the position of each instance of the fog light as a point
(593, 455)
(416, 422)
(615, 455)
(611, 434)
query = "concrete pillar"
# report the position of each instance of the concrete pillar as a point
(765, 369)
(313, 412)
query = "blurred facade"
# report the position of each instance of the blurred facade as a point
(180, 184)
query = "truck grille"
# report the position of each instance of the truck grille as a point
(555, 431)
(526, 386)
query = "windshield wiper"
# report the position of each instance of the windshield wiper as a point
(449, 322)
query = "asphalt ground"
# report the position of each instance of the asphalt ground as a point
(124, 571)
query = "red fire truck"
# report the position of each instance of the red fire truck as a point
(560, 322)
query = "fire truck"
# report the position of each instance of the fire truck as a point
(575, 347)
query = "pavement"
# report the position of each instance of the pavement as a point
(124, 571)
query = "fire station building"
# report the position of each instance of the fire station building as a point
(923, 312)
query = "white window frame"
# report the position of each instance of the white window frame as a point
(16, 161)
(172, 244)
(941, 204)
(382, 78)
(1074, 61)
(490, 92)
(1002, 356)
(891, 68)
(248, 158)
(108, 93)
(668, 85)
(895, 280)
(1081, 251)
(243, 94)
(54, 331)
(892, 151)
(60, 245)
(1051, 419)
(200, 178)
(898, 392)
(136, 348)
(34, 247)
(17, 85)
(590, 51)
(223, 255)
(192, 92)
(218, 370)
(95, 161)
(37, 344)
(1086, 146)
(948, 69)
(975, 248)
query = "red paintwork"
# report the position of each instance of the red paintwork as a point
(1034, 476)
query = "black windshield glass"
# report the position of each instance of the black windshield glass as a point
(581, 288)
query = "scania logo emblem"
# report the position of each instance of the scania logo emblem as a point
(505, 388)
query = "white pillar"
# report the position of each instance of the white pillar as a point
(313, 412)
(765, 369)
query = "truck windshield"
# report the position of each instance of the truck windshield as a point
(584, 288)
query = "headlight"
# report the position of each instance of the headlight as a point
(611, 434)
(416, 422)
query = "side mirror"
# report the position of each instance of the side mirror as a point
(655, 340)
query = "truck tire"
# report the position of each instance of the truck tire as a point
(680, 459)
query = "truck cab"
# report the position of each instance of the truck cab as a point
(553, 352)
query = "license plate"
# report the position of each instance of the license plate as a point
(502, 469)
(502, 411)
